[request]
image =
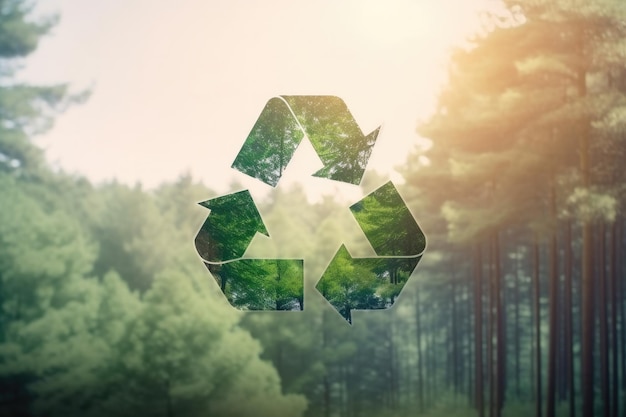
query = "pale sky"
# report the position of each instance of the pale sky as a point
(177, 85)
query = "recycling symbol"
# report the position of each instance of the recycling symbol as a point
(348, 283)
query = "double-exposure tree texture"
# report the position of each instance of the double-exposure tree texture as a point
(516, 309)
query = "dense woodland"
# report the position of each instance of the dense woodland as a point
(517, 308)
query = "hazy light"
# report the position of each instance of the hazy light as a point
(178, 87)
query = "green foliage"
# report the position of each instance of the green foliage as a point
(271, 143)
(43, 254)
(526, 149)
(188, 353)
(261, 284)
(328, 124)
(388, 224)
(509, 124)
(18, 35)
(104, 308)
(25, 110)
(229, 228)
(82, 345)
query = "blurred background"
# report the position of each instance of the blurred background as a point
(502, 128)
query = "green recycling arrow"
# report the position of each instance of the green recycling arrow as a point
(325, 120)
(374, 283)
(230, 227)
(249, 284)
(348, 283)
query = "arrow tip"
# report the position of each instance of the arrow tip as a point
(374, 135)
(238, 206)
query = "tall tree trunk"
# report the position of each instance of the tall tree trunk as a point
(537, 317)
(568, 305)
(614, 326)
(428, 361)
(496, 331)
(478, 333)
(455, 340)
(554, 310)
(587, 336)
(326, 379)
(468, 331)
(491, 369)
(622, 303)
(393, 374)
(516, 303)
(420, 362)
(588, 290)
(533, 337)
(433, 360)
(169, 407)
(500, 328)
(602, 317)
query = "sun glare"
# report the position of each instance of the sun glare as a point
(188, 82)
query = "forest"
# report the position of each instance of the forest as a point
(517, 307)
